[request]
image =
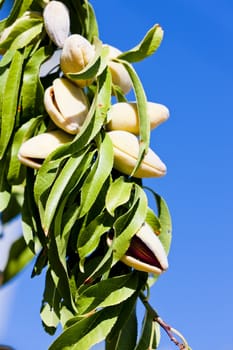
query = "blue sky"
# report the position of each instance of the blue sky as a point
(191, 73)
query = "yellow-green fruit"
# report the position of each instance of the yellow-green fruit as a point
(76, 54)
(126, 150)
(33, 151)
(119, 74)
(66, 104)
(124, 116)
(57, 22)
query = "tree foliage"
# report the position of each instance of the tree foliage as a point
(76, 201)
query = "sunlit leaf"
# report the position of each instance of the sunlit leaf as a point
(10, 100)
(50, 305)
(97, 176)
(146, 47)
(32, 90)
(128, 224)
(108, 292)
(164, 216)
(21, 41)
(144, 122)
(18, 9)
(5, 188)
(70, 173)
(87, 332)
(127, 325)
(118, 193)
(16, 171)
(150, 334)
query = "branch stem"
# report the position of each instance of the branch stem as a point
(167, 328)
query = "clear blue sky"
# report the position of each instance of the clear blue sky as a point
(192, 73)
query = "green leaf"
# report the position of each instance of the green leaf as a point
(111, 291)
(18, 10)
(124, 333)
(21, 41)
(5, 188)
(125, 329)
(10, 100)
(50, 305)
(70, 174)
(91, 23)
(128, 224)
(14, 206)
(89, 236)
(21, 25)
(118, 194)
(150, 335)
(31, 223)
(144, 122)
(49, 318)
(153, 221)
(19, 256)
(16, 169)
(32, 93)
(87, 332)
(59, 271)
(146, 47)
(3, 79)
(92, 68)
(97, 176)
(164, 216)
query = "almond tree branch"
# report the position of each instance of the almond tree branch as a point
(167, 328)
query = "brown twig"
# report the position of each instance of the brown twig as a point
(167, 328)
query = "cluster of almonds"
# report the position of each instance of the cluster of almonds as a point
(67, 105)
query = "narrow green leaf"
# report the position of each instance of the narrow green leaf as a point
(18, 10)
(10, 100)
(16, 169)
(97, 176)
(19, 256)
(166, 223)
(32, 91)
(90, 235)
(150, 335)
(14, 206)
(59, 272)
(49, 318)
(132, 221)
(144, 122)
(5, 188)
(87, 332)
(111, 291)
(20, 42)
(126, 324)
(125, 329)
(118, 193)
(69, 173)
(149, 44)
(91, 69)
(3, 79)
(153, 221)
(92, 25)
(164, 216)
(50, 305)
(31, 223)
(43, 182)
(20, 26)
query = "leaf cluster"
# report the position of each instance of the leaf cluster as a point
(76, 199)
